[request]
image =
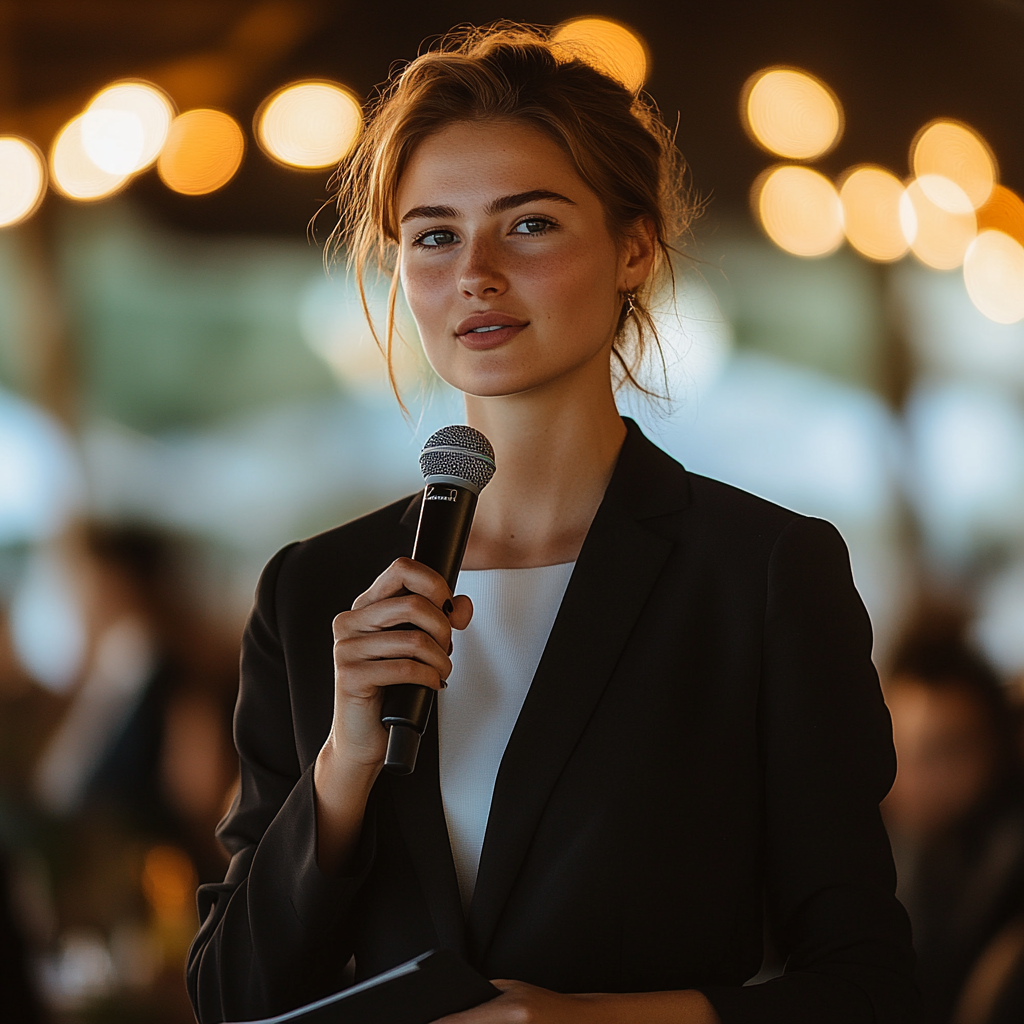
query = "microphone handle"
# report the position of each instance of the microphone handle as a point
(446, 516)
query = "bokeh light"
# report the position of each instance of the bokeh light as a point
(608, 45)
(871, 213)
(938, 234)
(168, 881)
(791, 113)
(309, 124)
(73, 172)
(204, 150)
(1004, 212)
(22, 180)
(799, 210)
(994, 275)
(951, 151)
(125, 126)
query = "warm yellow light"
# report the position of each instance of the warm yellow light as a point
(72, 171)
(994, 275)
(799, 210)
(125, 126)
(1004, 212)
(309, 124)
(791, 113)
(871, 213)
(953, 152)
(203, 151)
(611, 47)
(168, 881)
(938, 235)
(22, 180)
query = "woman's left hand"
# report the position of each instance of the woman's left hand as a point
(520, 1003)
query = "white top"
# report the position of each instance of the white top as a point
(494, 661)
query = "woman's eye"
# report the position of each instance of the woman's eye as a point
(436, 239)
(532, 226)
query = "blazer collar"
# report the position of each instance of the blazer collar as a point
(616, 569)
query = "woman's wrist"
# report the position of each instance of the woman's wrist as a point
(342, 787)
(682, 1007)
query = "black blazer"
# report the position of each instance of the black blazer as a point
(704, 737)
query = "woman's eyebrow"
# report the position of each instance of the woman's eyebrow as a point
(500, 205)
(506, 203)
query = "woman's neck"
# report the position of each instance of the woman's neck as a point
(555, 450)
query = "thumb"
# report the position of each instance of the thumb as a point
(461, 613)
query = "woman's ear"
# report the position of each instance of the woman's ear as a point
(636, 260)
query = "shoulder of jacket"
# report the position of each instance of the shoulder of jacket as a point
(366, 537)
(733, 508)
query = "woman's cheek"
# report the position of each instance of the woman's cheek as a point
(426, 300)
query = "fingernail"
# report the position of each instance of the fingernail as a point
(448, 607)
(444, 684)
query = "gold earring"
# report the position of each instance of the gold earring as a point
(630, 298)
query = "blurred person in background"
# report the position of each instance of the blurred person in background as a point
(956, 818)
(133, 776)
(146, 736)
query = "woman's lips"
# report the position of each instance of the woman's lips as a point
(488, 330)
(492, 337)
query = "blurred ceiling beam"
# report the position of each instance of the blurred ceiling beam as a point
(257, 37)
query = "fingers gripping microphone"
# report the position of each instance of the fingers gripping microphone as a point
(457, 464)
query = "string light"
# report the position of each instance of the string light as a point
(309, 124)
(204, 150)
(791, 113)
(871, 213)
(946, 150)
(609, 45)
(1004, 212)
(73, 172)
(938, 234)
(125, 126)
(22, 180)
(994, 275)
(799, 210)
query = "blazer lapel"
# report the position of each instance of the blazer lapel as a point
(420, 812)
(616, 569)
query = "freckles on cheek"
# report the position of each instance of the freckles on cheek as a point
(427, 301)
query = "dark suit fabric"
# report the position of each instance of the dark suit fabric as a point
(704, 738)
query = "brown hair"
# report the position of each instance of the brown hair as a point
(616, 141)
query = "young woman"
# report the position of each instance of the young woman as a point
(661, 719)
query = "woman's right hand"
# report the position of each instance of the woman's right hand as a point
(369, 654)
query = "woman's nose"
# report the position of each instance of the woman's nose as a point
(481, 274)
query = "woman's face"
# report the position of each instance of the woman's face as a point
(507, 262)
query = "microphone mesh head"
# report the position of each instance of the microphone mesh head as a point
(461, 452)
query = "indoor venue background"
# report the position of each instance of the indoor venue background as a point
(186, 384)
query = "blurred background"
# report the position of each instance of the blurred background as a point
(184, 388)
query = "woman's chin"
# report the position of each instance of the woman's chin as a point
(493, 382)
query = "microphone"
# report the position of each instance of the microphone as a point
(457, 463)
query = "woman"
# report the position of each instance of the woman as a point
(698, 730)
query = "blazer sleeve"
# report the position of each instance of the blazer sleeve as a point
(277, 928)
(827, 761)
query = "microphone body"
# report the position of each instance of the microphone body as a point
(457, 463)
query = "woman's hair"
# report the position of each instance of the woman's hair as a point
(616, 141)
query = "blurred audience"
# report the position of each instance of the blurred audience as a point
(956, 819)
(113, 788)
(146, 736)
